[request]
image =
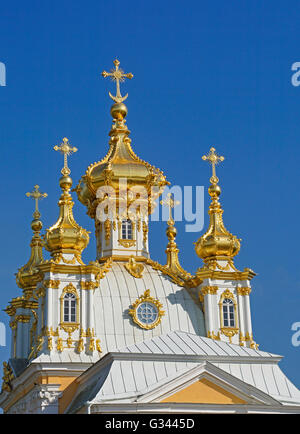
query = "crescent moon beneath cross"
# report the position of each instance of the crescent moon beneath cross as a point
(118, 99)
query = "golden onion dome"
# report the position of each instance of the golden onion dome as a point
(66, 236)
(29, 275)
(217, 243)
(121, 164)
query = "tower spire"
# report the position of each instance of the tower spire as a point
(172, 250)
(124, 173)
(217, 244)
(29, 275)
(66, 236)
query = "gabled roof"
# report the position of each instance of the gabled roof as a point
(147, 372)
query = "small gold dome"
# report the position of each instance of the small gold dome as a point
(29, 275)
(66, 236)
(217, 242)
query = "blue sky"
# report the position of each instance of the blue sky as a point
(205, 73)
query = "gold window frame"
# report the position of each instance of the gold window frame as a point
(228, 331)
(124, 241)
(69, 327)
(148, 299)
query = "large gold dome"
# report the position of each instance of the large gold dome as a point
(120, 164)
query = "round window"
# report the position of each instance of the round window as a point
(147, 313)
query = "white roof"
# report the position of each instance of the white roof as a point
(143, 372)
(178, 342)
(117, 292)
(114, 326)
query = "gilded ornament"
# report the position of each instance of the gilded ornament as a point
(117, 75)
(69, 342)
(59, 344)
(54, 284)
(165, 270)
(88, 284)
(22, 318)
(102, 270)
(214, 336)
(217, 243)
(40, 343)
(209, 290)
(146, 298)
(66, 236)
(145, 231)
(133, 268)
(98, 346)
(50, 343)
(229, 332)
(127, 243)
(107, 228)
(80, 345)
(29, 275)
(243, 290)
(7, 378)
(225, 330)
(172, 250)
(66, 149)
(66, 326)
(92, 344)
(51, 332)
(120, 163)
(32, 333)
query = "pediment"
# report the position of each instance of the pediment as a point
(208, 384)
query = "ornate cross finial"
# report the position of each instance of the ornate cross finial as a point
(66, 150)
(171, 203)
(214, 159)
(117, 75)
(36, 195)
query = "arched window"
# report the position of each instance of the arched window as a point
(228, 312)
(69, 307)
(127, 230)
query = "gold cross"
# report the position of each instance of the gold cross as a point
(171, 203)
(36, 195)
(214, 159)
(66, 150)
(117, 75)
